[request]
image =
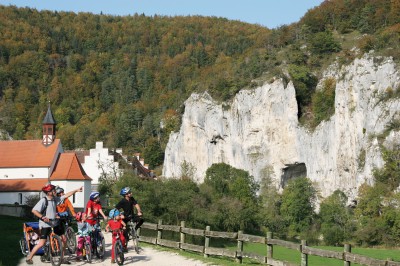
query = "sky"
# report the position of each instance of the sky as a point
(268, 13)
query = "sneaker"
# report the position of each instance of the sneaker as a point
(112, 261)
(29, 261)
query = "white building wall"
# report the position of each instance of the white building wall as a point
(12, 197)
(81, 198)
(98, 161)
(28, 173)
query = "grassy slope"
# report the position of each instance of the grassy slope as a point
(12, 231)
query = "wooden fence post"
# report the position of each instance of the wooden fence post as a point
(304, 257)
(206, 241)
(270, 248)
(347, 249)
(239, 248)
(182, 235)
(159, 231)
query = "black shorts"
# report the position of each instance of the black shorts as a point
(45, 231)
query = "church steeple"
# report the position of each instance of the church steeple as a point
(49, 128)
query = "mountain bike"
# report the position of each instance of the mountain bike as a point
(118, 248)
(53, 249)
(70, 235)
(132, 234)
(97, 240)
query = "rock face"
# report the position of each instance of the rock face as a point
(258, 131)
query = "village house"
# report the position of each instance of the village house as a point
(27, 165)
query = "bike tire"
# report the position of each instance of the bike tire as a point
(119, 253)
(71, 240)
(24, 246)
(88, 252)
(56, 250)
(100, 246)
(135, 240)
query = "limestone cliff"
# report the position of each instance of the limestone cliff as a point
(258, 131)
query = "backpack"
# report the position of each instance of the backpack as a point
(46, 202)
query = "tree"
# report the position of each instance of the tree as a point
(336, 217)
(324, 43)
(228, 184)
(298, 202)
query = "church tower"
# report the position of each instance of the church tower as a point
(49, 128)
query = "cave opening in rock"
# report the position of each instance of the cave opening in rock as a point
(293, 171)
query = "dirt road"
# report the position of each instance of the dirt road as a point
(147, 257)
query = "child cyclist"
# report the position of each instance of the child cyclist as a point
(116, 225)
(84, 229)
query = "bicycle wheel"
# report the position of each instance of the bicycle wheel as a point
(135, 240)
(56, 250)
(71, 240)
(100, 246)
(119, 252)
(88, 252)
(24, 246)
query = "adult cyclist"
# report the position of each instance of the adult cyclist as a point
(45, 210)
(128, 203)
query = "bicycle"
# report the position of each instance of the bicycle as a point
(53, 249)
(86, 250)
(70, 235)
(97, 240)
(132, 234)
(118, 247)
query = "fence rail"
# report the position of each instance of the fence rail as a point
(346, 256)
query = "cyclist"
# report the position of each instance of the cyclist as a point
(93, 208)
(84, 229)
(64, 209)
(64, 205)
(128, 203)
(46, 211)
(117, 225)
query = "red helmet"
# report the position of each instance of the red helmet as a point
(78, 216)
(48, 188)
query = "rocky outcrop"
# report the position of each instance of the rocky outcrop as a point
(258, 131)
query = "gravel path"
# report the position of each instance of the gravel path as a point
(147, 256)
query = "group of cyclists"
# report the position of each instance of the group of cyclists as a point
(49, 209)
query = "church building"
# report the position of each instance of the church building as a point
(27, 165)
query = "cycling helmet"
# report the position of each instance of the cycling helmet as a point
(78, 216)
(125, 191)
(94, 195)
(59, 190)
(113, 213)
(48, 188)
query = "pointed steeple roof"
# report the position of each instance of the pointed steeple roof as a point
(49, 118)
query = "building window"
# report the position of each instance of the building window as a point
(73, 198)
(20, 198)
(50, 130)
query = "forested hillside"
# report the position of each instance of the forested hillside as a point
(123, 80)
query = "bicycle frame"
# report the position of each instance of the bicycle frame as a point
(53, 249)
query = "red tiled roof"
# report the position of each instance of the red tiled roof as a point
(80, 154)
(27, 153)
(68, 168)
(20, 185)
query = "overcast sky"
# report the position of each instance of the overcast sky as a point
(269, 13)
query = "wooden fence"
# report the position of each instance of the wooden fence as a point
(346, 256)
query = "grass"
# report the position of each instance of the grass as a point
(284, 254)
(12, 231)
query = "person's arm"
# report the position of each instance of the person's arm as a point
(70, 206)
(139, 210)
(36, 210)
(72, 193)
(123, 224)
(107, 227)
(102, 213)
